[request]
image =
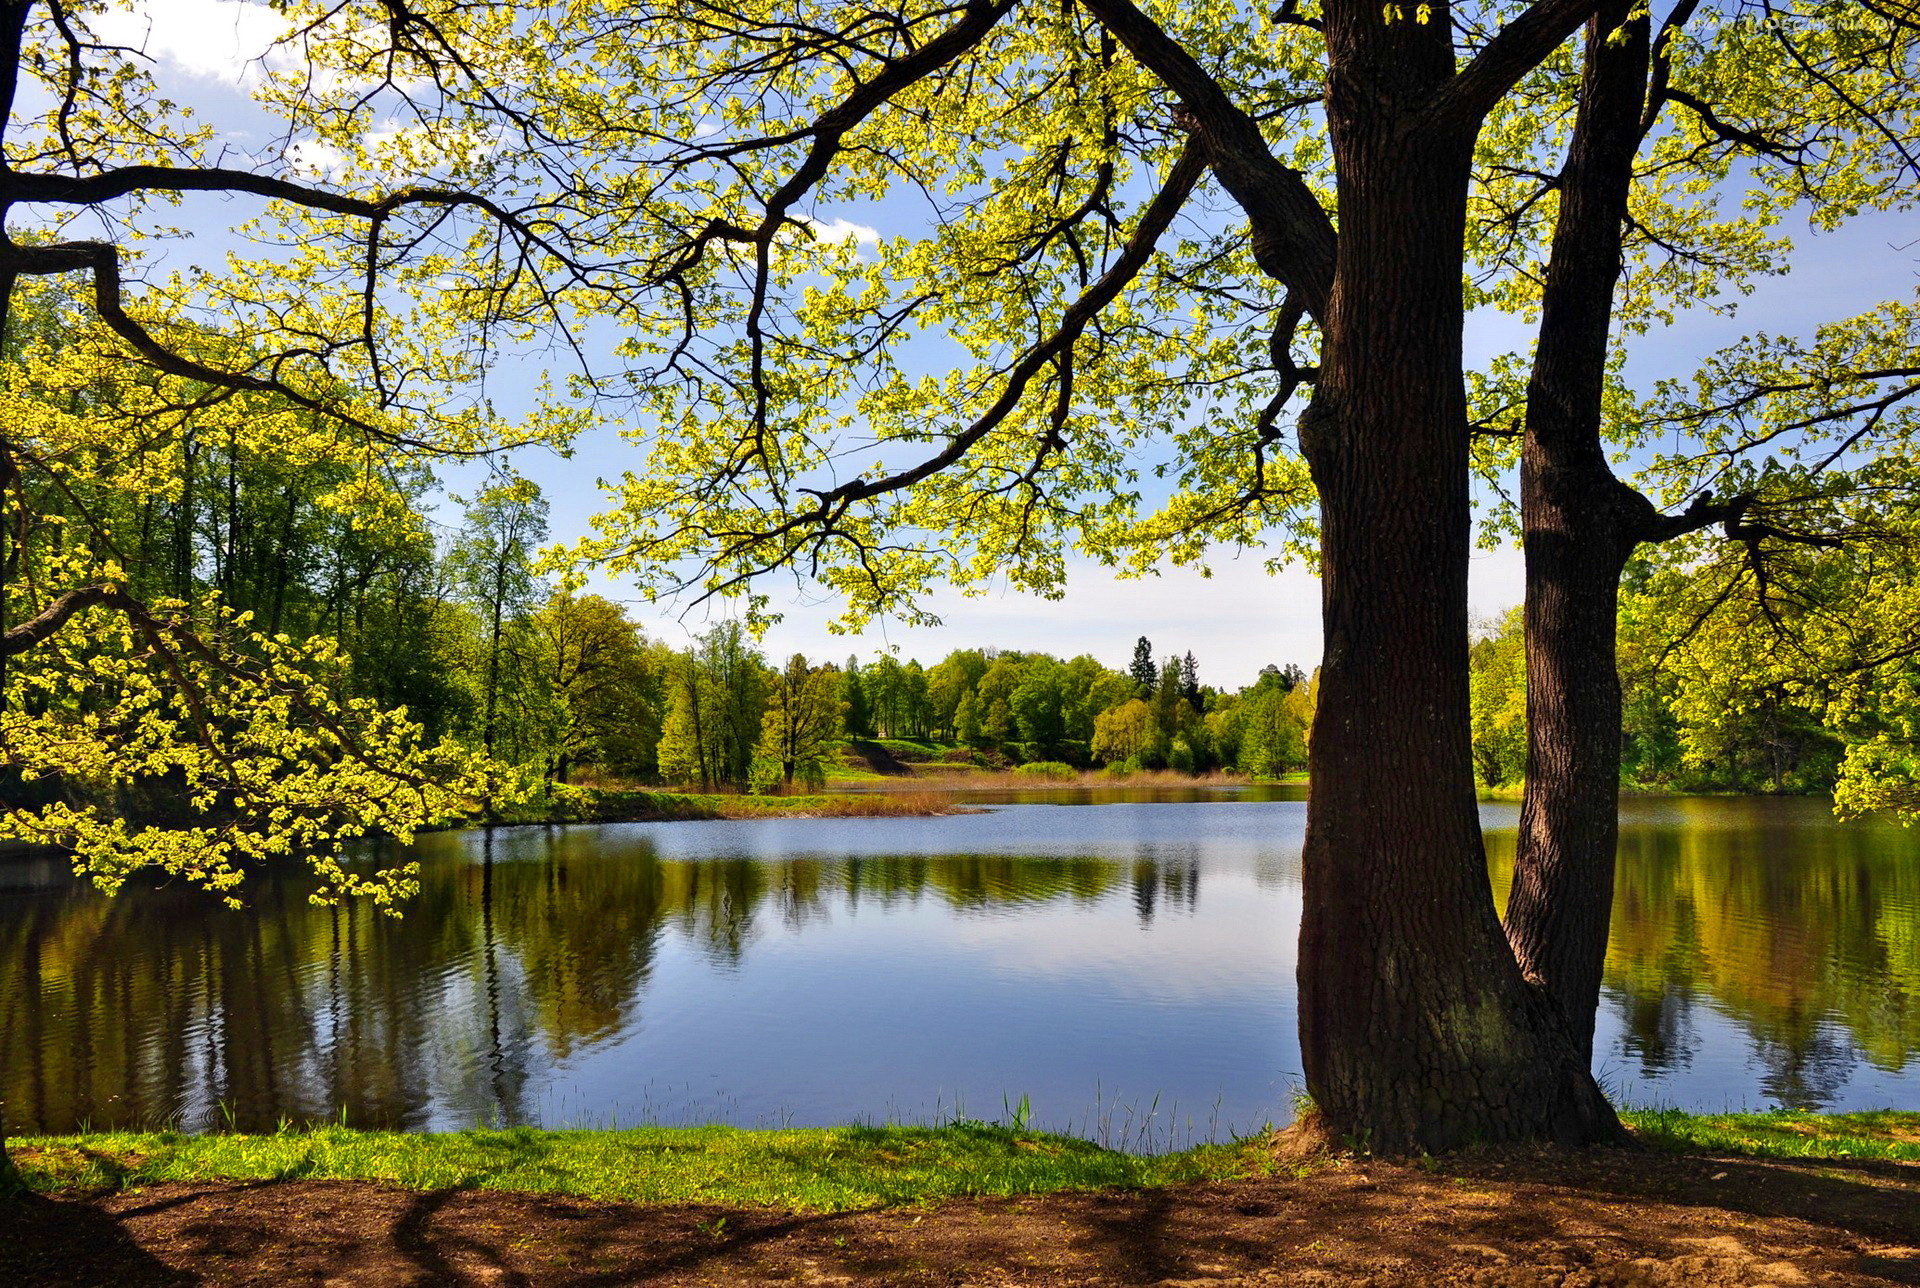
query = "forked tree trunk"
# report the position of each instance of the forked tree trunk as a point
(1418, 1031)
(1580, 525)
(1561, 903)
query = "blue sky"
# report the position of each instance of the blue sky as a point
(1234, 622)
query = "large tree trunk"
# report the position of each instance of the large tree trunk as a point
(1560, 906)
(1418, 1030)
(1580, 525)
(11, 1186)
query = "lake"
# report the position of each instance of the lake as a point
(1112, 964)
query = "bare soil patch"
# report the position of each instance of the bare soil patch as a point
(1599, 1217)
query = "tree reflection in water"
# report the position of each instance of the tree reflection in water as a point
(161, 1006)
(1802, 930)
(532, 949)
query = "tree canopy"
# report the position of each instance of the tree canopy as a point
(1120, 242)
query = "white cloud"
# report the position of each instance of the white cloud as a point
(842, 230)
(388, 151)
(311, 159)
(221, 40)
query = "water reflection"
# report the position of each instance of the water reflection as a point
(1760, 933)
(823, 971)
(526, 952)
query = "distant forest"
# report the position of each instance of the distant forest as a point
(457, 626)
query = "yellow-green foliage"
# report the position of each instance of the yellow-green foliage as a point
(531, 178)
(249, 731)
(1498, 692)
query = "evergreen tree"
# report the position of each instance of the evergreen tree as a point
(853, 694)
(1145, 674)
(1170, 711)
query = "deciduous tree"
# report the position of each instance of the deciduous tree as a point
(493, 562)
(1159, 257)
(716, 709)
(802, 720)
(1414, 1009)
(1123, 733)
(598, 688)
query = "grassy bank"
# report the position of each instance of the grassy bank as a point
(606, 805)
(820, 1170)
(1050, 776)
(812, 1169)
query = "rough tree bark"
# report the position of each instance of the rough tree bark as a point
(11, 1186)
(1580, 526)
(1418, 1030)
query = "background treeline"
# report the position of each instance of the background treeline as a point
(1741, 731)
(454, 625)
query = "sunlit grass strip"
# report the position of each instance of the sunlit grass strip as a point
(819, 1170)
(1885, 1134)
(807, 1169)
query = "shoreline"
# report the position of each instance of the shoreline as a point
(1713, 1200)
(896, 797)
(890, 1164)
(636, 805)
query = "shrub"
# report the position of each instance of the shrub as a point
(1053, 770)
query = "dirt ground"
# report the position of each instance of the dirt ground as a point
(1589, 1218)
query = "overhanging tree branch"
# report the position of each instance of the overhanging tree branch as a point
(102, 261)
(819, 522)
(1514, 50)
(1293, 240)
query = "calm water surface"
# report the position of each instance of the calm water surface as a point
(1125, 965)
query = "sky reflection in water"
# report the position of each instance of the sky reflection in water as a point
(1127, 968)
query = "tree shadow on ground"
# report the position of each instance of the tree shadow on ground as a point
(1611, 1215)
(53, 1241)
(414, 1238)
(1877, 1199)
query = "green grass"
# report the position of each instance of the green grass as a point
(817, 1170)
(811, 1169)
(1886, 1134)
(914, 748)
(840, 772)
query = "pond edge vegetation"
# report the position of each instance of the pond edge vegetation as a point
(831, 1169)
